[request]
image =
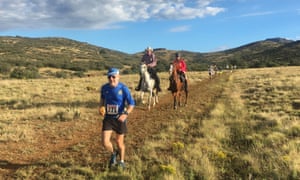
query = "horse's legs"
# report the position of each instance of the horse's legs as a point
(179, 98)
(149, 99)
(142, 97)
(186, 96)
(186, 93)
(175, 102)
(176, 99)
(154, 96)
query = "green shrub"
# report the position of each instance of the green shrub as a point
(61, 74)
(79, 73)
(294, 131)
(25, 73)
(5, 68)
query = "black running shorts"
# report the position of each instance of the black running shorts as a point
(112, 123)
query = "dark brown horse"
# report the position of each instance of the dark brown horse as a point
(178, 88)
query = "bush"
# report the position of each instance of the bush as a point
(5, 68)
(61, 74)
(79, 73)
(25, 73)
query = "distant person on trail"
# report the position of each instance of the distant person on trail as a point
(180, 65)
(116, 103)
(150, 60)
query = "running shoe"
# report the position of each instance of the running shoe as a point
(122, 165)
(113, 159)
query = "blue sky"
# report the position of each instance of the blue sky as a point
(132, 25)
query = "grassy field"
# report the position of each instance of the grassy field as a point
(240, 125)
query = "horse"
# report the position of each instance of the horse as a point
(211, 71)
(178, 88)
(148, 85)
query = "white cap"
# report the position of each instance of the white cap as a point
(149, 48)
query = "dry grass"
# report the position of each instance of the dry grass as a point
(250, 130)
(251, 133)
(26, 101)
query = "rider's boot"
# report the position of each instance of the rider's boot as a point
(157, 82)
(158, 89)
(138, 88)
(169, 88)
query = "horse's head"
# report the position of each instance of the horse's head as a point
(143, 68)
(174, 69)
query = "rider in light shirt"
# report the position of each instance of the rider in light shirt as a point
(150, 60)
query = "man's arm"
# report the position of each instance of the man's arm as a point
(129, 109)
(101, 108)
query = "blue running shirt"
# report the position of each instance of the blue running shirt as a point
(116, 98)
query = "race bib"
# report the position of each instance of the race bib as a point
(112, 109)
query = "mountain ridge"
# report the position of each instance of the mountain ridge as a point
(68, 54)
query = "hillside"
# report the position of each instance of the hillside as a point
(77, 58)
(257, 54)
(59, 53)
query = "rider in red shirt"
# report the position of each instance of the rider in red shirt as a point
(180, 65)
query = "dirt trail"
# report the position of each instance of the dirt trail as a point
(142, 124)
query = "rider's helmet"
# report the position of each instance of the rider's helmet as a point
(177, 54)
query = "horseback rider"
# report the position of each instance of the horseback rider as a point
(180, 65)
(150, 60)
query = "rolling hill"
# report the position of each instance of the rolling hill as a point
(70, 55)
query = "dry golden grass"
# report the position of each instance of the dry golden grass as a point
(249, 130)
(252, 131)
(267, 96)
(24, 101)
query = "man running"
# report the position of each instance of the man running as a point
(116, 103)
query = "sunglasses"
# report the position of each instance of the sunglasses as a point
(114, 77)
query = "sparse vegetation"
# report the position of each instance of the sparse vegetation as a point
(240, 125)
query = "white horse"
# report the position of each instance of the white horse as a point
(148, 85)
(211, 71)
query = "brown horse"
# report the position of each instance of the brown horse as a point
(178, 88)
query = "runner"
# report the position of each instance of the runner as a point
(114, 96)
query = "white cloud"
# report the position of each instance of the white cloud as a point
(97, 14)
(221, 48)
(180, 29)
(258, 14)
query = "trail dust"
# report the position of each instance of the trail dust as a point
(142, 124)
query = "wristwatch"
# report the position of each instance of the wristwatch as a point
(125, 112)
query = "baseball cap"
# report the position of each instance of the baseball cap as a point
(112, 71)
